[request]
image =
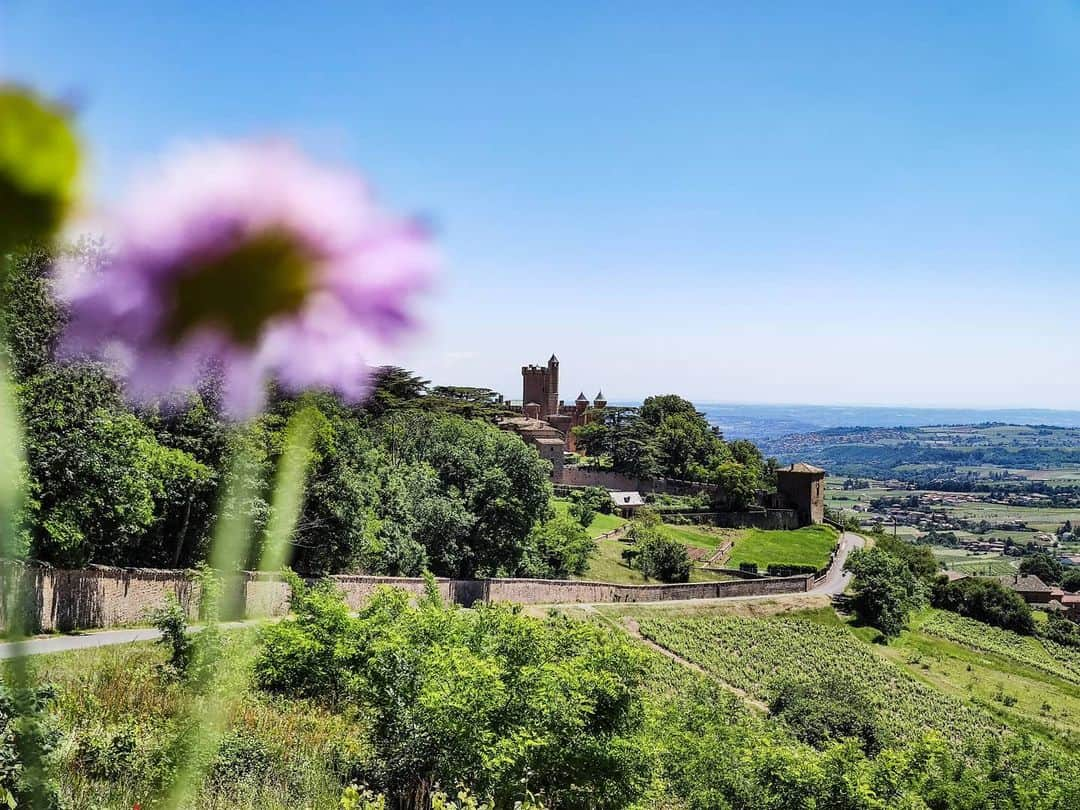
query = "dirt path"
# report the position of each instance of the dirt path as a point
(630, 625)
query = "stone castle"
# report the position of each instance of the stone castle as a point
(546, 422)
(540, 400)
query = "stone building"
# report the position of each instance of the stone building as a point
(803, 487)
(540, 400)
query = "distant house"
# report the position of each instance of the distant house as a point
(627, 503)
(1067, 604)
(1033, 590)
(1069, 559)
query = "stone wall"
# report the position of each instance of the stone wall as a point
(759, 519)
(64, 600)
(561, 591)
(586, 477)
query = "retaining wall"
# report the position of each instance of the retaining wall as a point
(63, 600)
(786, 519)
(588, 477)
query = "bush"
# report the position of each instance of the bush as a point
(986, 600)
(885, 590)
(777, 570)
(558, 549)
(192, 656)
(828, 711)
(487, 697)
(662, 558)
(1062, 631)
(25, 743)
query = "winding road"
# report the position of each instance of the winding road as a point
(834, 582)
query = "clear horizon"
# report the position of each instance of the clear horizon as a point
(831, 204)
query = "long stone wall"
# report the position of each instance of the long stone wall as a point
(64, 600)
(586, 477)
(759, 518)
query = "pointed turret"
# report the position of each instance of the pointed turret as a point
(581, 397)
(599, 401)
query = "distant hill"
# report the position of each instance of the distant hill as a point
(759, 422)
(979, 451)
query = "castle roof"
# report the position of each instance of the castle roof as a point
(581, 397)
(553, 358)
(599, 395)
(803, 467)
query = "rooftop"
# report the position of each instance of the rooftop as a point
(1024, 582)
(627, 498)
(802, 467)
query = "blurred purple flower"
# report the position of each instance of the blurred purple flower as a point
(254, 259)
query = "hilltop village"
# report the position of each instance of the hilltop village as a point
(552, 426)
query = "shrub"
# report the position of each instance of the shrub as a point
(241, 756)
(192, 656)
(885, 590)
(778, 570)
(828, 711)
(487, 696)
(986, 600)
(1061, 630)
(662, 558)
(25, 743)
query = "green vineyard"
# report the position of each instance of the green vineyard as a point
(755, 654)
(1047, 656)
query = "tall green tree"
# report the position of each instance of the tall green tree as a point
(885, 590)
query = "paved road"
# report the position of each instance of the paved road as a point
(103, 638)
(836, 581)
(92, 638)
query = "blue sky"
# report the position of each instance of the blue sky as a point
(784, 202)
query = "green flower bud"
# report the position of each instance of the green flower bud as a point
(39, 164)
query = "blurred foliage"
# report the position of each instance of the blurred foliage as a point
(39, 166)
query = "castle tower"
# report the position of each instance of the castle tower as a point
(581, 404)
(599, 401)
(552, 400)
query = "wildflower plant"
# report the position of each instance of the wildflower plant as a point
(250, 259)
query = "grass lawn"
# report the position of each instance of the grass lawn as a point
(601, 524)
(700, 536)
(810, 545)
(608, 566)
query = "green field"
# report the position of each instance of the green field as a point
(697, 536)
(601, 523)
(810, 545)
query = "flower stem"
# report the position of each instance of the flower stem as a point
(231, 548)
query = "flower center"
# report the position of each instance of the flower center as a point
(266, 276)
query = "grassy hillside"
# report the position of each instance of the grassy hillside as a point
(601, 523)
(963, 678)
(121, 723)
(1012, 677)
(810, 545)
